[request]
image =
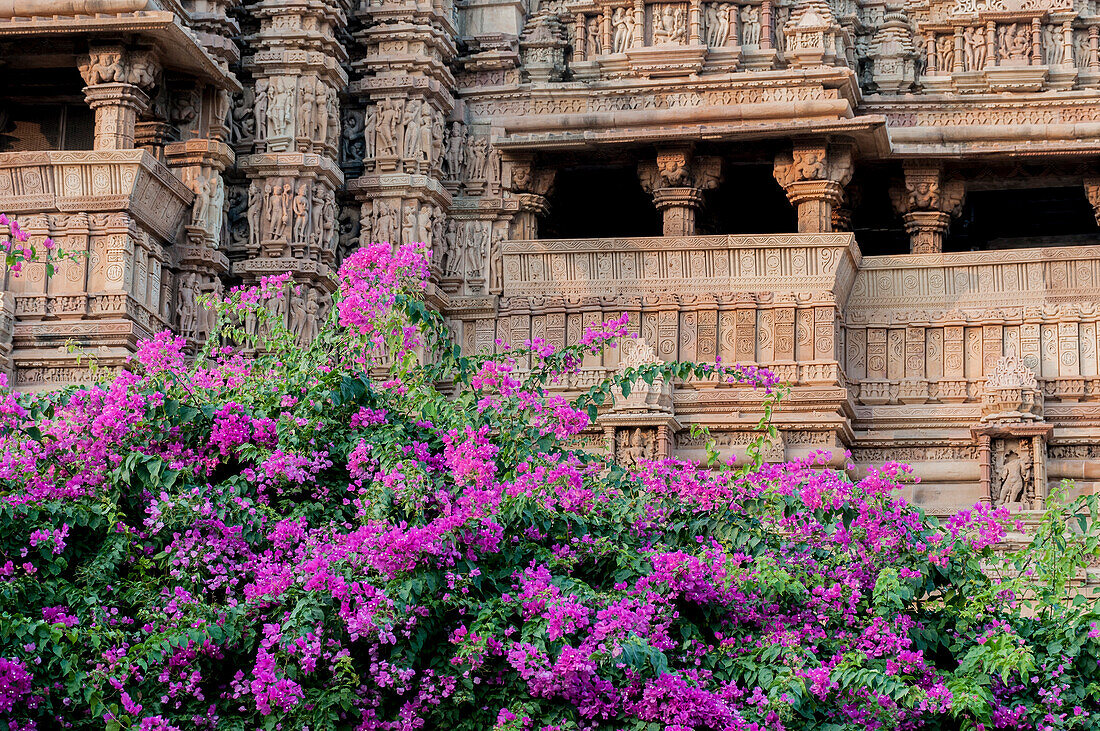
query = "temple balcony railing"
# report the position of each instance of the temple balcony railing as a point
(120, 211)
(929, 328)
(770, 299)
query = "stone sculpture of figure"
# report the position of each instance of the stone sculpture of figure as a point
(782, 14)
(216, 215)
(370, 127)
(411, 120)
(301, 213)
(332, 130)
(593, 37)
(424, 225)
(449, 264)
(476, 153)
(242, 122)
(496, 262)
(425, 132)
(475, 251)
(185, 307)
(260, 107)
(437, 235)
(1019, 41)
(254, 211)
(1014, 476)
(662, 24)
(255, 205)
(968, 49)
(200, 214)
(924, 196)
(272, 199)
(750, 25)
(710, 22)
(389, 117)
(317, 210)
(1052, 44)
(678, 31)
(945, 53)
(437, 134)
(312, 323)
(622, 24)
(384, 223)
(328, 220)
(305, 108)
(453, 155)
(297, 312)
(408, 224)
(634, 450)
(283, 206)
(210, 312)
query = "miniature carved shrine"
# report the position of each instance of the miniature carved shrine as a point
(893, 205)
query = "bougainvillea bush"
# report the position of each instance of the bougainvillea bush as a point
(378, 532)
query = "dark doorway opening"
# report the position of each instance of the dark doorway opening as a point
(1007, 219)
(748, 201)
(603, 202)
(877, 226)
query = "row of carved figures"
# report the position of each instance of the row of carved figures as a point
(279, 110)
(977, 47)
(459, 247)
(301, 213)
(300, 309)
(722, 24)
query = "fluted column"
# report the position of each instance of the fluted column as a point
(118, 84)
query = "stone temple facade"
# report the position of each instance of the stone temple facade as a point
(893, 203)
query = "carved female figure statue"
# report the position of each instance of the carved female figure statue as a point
(260, 107)
(370, 127)
(316, 211)
(449, 262)
(312, 320)
(453, 155)
(388, 120)
(200, 214)
(475, 250)
(425, 132)
(328, 221)
(750, 25)
(255, 203)
(385, 223)
(623, 24)
(496, 262)
(408, 224)
(332, 130)
(424, 225)
(272, 210)
(782, 15)
(411, 120)
(185, 308)
(305, 108)
(301, 213)
(297, 312)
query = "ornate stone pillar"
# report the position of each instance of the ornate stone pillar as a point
(290, 201)
(118, 84)
(1092, 192)
(677, 181)
(814, 175)
(927, 203)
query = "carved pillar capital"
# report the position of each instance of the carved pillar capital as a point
(676, 180)
(1092, 192)
(814, 175)
(927, 201)
(530, 186)
(118, 85)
